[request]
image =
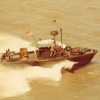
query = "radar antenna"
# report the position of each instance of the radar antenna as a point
(54, 33)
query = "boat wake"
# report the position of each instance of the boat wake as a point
(54, 73)
(15, 82)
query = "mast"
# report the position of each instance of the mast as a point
(61, 37)
(55, 32)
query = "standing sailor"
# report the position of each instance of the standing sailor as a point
(52, 49)
(54, 34)
(8, 53)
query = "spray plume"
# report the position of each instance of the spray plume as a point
(16, 82)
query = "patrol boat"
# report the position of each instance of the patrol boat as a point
(57, 51)
(54, 52)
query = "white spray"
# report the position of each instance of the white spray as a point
(15, 82)
(53, 73)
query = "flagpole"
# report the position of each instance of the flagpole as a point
(35, 41)
(30, 33)
(61, 37)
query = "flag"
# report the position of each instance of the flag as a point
(28, 33)
(54, 21)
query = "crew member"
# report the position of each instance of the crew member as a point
(52, 50)
(8, 53)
